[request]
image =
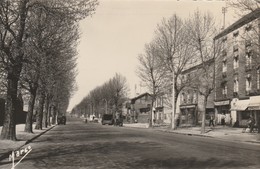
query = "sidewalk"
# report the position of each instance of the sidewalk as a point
(219, 132)
(7, 146)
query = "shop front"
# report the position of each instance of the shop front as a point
(254, 107)
(188, 115)
(222, 108)
(239, 112)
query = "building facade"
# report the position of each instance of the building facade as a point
(141, 108)
(237, 89)
(191, 102)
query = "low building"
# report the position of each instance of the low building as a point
(141, 108)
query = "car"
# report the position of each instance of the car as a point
(107, 119)
(61, 120)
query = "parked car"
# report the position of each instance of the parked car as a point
(61, 120)
(107, 119)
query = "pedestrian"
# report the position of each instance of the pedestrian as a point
(211, 121)
(251, 123)
(223, 123)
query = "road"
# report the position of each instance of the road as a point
(92, 146)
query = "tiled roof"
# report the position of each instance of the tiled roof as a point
(242, 21)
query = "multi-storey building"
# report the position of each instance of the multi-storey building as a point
(190, 102)
(237, 89)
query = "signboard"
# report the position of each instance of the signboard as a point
(221, 103)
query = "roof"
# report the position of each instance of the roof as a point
(138, 97)
(242, 21)
(208, 62)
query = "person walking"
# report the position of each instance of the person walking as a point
(211, 121)
(223, 123)
(251, 123)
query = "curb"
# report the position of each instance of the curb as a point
(6, 154)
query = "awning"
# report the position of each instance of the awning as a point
(239, 105)
(254, 103)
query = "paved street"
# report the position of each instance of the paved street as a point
(78, 145)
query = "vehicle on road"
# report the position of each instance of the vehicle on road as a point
(107, 119)
(61, 120)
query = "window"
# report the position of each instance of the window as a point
(236, 84)
(182, 98)
(224, 67)
(188, 97)
(224, 90)
(194, 97)
(248, 59)
(236, 62)
(248, 83)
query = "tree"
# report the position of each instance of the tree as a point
(174, 54)
(244, 6)
(150, 72)
(13, 36)
(202, 30)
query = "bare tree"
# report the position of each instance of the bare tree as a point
(202, 30)
(174, 54)
(244, 6)
(151, 73)
(13, 36)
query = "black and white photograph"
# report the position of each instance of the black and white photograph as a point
(129, 84)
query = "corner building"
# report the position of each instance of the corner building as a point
(237, 89)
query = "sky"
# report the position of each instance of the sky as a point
(113, 37)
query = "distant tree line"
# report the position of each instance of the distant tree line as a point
(107, 98)
(38, 40)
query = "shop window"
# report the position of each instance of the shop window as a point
(245, 115)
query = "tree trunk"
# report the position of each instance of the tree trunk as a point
(39, 116)
(8, 130)
(53, 121)
(204, 115)
(29, 117)
(45, 113)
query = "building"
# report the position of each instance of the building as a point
(141, 108)
(190, 101)
(237, 89)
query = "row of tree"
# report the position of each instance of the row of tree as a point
(38, 41)
(107, 98)
(179, 44)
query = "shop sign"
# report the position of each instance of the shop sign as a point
(221, 103)
(187, 106)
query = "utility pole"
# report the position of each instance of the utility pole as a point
(173, 100)
(224, 11)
